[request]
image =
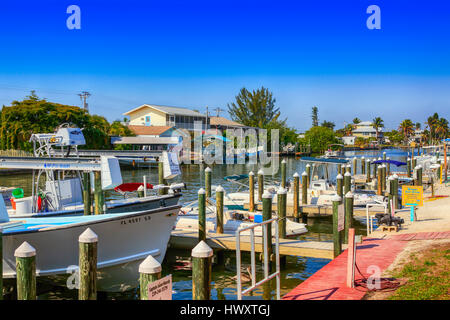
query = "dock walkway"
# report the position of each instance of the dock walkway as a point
(329, 282)
(189, 239)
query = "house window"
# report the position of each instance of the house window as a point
(147, 120)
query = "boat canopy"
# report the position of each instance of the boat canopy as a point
(236, 177)
(397, 163)
(324, 160)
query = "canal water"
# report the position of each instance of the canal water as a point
(177, 262)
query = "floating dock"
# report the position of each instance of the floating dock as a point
(187, 240)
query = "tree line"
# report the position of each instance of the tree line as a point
(34, 115)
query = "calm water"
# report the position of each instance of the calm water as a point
(177, 261)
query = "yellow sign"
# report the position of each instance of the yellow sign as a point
(412, 196)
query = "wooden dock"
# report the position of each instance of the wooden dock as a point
(314, 211)
(291, 247)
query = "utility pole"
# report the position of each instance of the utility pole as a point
(206, 124)
(218, 110)
(83, 96)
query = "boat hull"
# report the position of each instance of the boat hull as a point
(125, 240)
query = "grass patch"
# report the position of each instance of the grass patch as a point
(427, 276)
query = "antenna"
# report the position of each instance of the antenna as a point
(83, 96)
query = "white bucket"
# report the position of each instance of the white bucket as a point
(23, 205)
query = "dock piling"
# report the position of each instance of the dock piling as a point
(339, 185)
(369, 179)
(219, 209)
(296, 197)
(26, 271)
(283, 173)
(208, 182)
(308, 173)
(304, 188)
(348, 214)
(379, 181)
(337, 241)
(87, 193)
(281, 208)
(267, 215)
(251, 189)
(408, 167)
(201, 271)
(99, 199)
(88, 265)
(260, 184)
(347, 182)
(201, 215)
(149, 271)
(161, 180)
(355, 163)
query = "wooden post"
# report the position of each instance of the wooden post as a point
(384, 155)
(87, 193)
(201, 271)
(355, 163)
(296, 197)
(369, 179)
(363, 165)
(419, 175)
(375, 171)
(379, 182)
(388, 167)
(445, 162)
(339, 168)
(414, 162)
(347, 182)
(348, 169)
(267, 215)
(26, 272)
(395, 193)
(161, 180)
(304, 188)
(408, 167)
(340, 185)
(88, 265)
(201, 214)
(208, 182)
(149, 271)
(251, 190)
(260, 184)
(337, 241)
(98, 193)
(383, 178)
(308, 173)
(281, 209)
(283, 173)
(391, 192)
(348, 214)
(219, 209)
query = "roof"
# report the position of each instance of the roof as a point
(365, 123)
(221, 121)
(149, 130)
(144, 140)
(168, 110)
(369, 129)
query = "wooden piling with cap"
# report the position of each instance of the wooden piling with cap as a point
(219, 209)
(260, 184)
(296, 197)
(201, 271)
(348, 214)
(251, 190)
(208, 172)
(201, 214)
(26, 271)
(337, 240)
(88, 265)
(149, 271)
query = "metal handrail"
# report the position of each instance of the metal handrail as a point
(369, 220)
(267, 276)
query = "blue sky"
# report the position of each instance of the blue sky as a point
(200, 53)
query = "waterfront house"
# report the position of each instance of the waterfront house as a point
(164, 116)
(366, 130)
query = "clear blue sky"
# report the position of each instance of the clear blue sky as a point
(195, 53)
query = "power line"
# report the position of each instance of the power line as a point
(83, 96)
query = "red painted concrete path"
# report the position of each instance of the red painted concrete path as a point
(329, 282)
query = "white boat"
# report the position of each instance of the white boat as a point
(233, 220)
(124, 241)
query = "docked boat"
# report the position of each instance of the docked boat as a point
(233, 220)
(124, 241)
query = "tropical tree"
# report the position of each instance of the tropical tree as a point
(320, 138)
(254, 109)
(431, 124)
(406, 128)
(377, 123)
(348, 130)
(315, 116)
(418, 125)
(328, 124)
(356, 121)
(441, 128)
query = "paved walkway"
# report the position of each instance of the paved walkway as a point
(329, 282)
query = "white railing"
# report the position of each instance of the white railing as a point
(369, 219)
(267, 277)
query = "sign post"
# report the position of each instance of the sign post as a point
(412, 196)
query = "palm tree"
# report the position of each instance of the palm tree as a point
(315, 116)
(348, 130)
(407, 128)
(377, 123)
(356, 121)
(441, 128)
(431, 124)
